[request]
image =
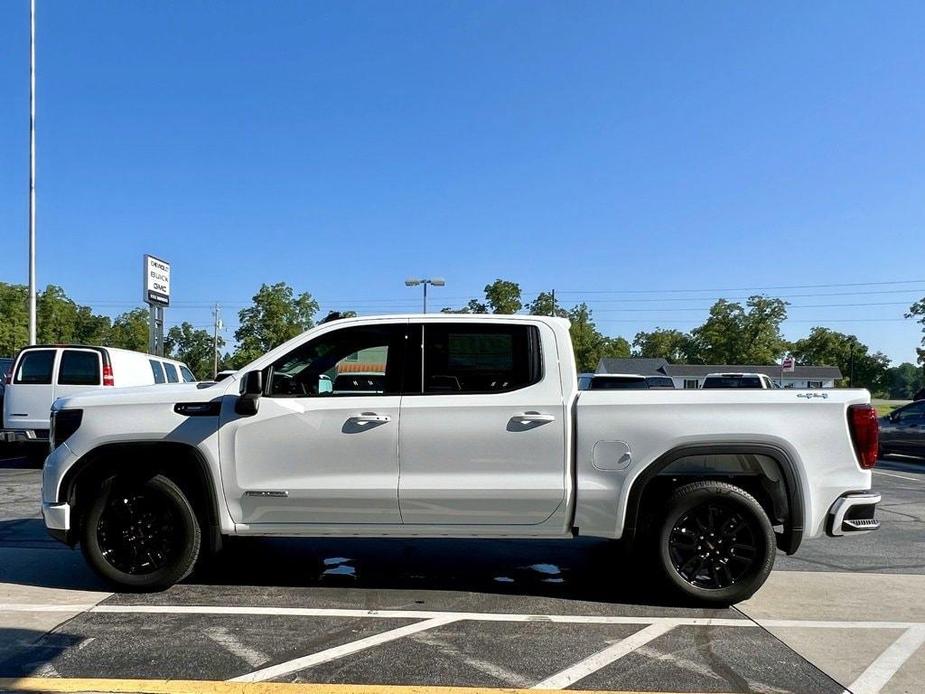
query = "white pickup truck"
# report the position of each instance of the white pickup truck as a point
(475, 428)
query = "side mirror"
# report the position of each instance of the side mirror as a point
(251, 390)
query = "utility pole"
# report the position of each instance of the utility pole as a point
(32, 322)
(553, 303)
(216, 326)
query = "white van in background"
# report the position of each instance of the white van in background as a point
(43, 373)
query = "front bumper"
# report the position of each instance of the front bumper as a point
(57, 519)
(853, 513)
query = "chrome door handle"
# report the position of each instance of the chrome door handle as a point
(369, 418)
(528, 417)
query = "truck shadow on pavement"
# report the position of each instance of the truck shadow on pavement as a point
(569, 569)
(27, 652)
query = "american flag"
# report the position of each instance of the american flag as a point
(788, 364)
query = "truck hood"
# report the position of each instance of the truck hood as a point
(143, 395)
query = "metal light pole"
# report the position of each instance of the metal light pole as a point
(435, 281)
(32, 331)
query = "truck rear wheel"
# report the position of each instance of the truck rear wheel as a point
(716, 543)
(141, 534)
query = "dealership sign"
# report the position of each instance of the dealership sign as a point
(156, 287)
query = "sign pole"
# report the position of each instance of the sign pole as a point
(32, 321)
(152, 330)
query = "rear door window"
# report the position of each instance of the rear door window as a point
(79, 368)
(158, 371)
(35, 367)
(467, 358)
(171, 372)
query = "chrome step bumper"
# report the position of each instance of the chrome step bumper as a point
(853, 513)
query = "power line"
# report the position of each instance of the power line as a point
(740, 289)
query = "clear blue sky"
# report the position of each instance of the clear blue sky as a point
(582, 146)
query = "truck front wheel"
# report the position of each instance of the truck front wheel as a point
(716, 543)
(141, 534)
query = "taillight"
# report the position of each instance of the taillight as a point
(107, 376)
(865, 434)
(8, 377)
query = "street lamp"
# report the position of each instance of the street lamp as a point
(435, 281)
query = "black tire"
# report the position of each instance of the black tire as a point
(715, 543)
(140, 533)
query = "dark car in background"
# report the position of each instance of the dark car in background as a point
(6, 365)
(589, 381)
(903, 430)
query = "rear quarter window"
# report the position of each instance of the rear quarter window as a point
(35, 367)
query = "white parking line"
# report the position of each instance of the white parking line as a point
(373, 614)
(452, 616)
(595, 662)
(233, 645)
(879, 672)
(507, 677)
(329, 654)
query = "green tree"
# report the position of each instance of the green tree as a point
(671, 345)
(337, 315)
(917, 311)
(474, 306)
(589, 344)
(733, 334)
(503, 296)
(831, 348)
(545, 305)
(903, 381)
(276, 315)
(130, 330)
(59, 319)
(90, 328)
(194, 347)
(14, 318)
(56, 316)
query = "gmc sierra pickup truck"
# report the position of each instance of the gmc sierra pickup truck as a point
(465, 426)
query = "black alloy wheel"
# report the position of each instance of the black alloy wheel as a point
(138, 531)
(716, 543)
(141, 534)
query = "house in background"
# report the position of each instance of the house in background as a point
(692, 375)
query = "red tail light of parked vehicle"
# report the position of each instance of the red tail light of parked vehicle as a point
(865, 433)
(107, 376)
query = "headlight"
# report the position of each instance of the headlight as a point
(63, 425)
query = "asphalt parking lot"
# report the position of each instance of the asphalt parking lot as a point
(841, 614)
